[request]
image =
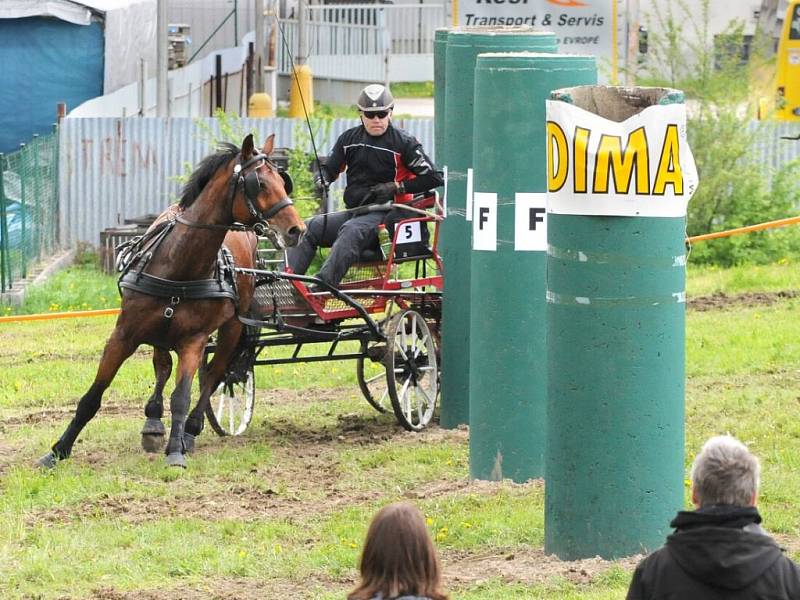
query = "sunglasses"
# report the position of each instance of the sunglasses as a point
(381, 114)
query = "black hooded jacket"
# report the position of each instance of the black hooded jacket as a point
(717, 553)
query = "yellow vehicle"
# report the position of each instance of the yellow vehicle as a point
(788, 80)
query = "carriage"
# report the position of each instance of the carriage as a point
(194, 272)
(385, 315)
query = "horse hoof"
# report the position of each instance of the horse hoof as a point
(176, 459)
(153, 442)
(48, 461)
(153, 427)
(188, 443)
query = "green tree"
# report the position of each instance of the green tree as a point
(735, 190)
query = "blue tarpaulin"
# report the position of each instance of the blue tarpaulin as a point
(19, 227)
(45, 61)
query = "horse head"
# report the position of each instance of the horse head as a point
(262, 195)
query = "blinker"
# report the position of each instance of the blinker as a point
(288, 184)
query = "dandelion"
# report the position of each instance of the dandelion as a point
(277, 548)
(429, 521)
(466, 524)
(687, 482)
(441, 535)
(242, 553)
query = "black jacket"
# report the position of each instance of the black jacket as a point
(393, 156)
(718, 552)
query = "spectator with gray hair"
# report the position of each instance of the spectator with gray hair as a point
(719, 551)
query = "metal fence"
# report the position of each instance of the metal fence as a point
(772, 148)
(358, 42)
(118, 169)
(340, 51)
(410, 27)
(28, 207)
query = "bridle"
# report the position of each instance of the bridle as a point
(252, 187)
(251, 184)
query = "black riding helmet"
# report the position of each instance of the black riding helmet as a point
(375, 97)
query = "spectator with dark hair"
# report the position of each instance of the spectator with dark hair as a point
(399, 561)
(719, 551)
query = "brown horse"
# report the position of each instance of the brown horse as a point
(170, 298)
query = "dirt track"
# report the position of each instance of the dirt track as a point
(320, 490)
(317, 491)
(722, 301)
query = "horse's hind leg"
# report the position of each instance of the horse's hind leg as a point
(153, 431)
(227, 342)
(189, 355)
(117, 350)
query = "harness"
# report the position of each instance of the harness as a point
(134, 255)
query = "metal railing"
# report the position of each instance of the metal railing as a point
(355, 41)
(411, 27)
(28, 207)
(333, 47)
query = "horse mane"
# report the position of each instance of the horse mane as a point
(205, 171)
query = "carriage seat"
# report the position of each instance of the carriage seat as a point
(407, 251)
(416, 250)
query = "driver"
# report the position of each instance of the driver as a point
(383, 163)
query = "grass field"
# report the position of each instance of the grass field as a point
(282, 511)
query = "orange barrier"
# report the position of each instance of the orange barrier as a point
(61, 315)
(748, 229)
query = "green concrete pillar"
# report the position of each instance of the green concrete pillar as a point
(507, 378)
(463, 47)
(439, 61)
(615, 320)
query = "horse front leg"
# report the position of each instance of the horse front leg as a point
(116, 351)
(227, 342)
(153, 431)
(189, 354)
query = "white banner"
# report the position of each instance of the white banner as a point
(640, 167)
(580, 26)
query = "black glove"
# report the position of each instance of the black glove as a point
(319, 178)
(383, 192)
(319, 182)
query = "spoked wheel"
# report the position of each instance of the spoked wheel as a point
(412, 374)
(231, 408)
(231, 405)
(373, 383)
(371, 371)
